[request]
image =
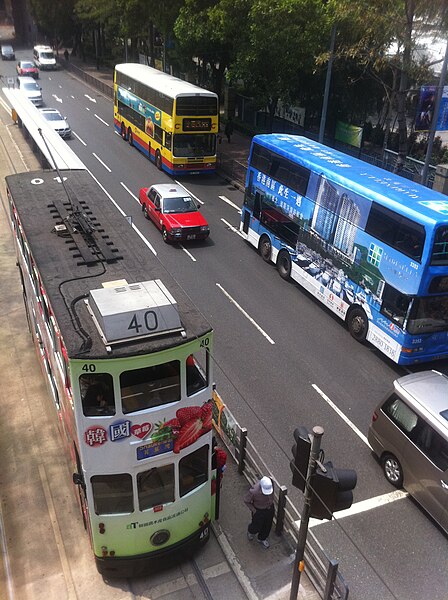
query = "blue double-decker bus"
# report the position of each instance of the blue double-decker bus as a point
(369, 244)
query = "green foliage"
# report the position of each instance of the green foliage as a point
(281, 43)
(54, 19)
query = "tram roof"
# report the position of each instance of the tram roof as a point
(64, 277)
(166, 84)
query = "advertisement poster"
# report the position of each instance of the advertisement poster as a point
(349, 134)
(426, 107)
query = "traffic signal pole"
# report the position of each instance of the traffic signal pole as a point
(318, 432)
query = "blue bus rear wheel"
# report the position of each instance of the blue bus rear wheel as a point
(265, 248)
(284, 264)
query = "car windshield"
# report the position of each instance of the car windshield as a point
(31, 86)
(52, 116)
(27, 65)
(182, 204)
(46, 55)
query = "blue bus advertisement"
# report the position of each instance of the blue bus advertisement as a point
(366, 243)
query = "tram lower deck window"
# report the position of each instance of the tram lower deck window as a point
(155, 486)
(112, 494)
(193, 470)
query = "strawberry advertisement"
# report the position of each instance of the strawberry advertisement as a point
(189, 424)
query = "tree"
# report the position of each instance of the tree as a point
(54, 19)
(283, 39)
(210, 31)
(383, 37)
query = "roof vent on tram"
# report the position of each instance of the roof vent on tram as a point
(123, 311)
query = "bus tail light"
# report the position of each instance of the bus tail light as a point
(374, 416)
(411, 350)
(101, 528)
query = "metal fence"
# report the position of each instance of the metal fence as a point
(105, 87)
(322, 571)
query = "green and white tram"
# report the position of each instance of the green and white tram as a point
(127, 359)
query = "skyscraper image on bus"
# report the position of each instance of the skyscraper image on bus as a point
(368, 244)
(127, 360)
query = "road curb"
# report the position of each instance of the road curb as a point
(233, 561)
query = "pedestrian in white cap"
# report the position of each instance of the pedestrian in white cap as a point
(260, 501)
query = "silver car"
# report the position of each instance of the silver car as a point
(57, 121)
(30, 89)
(7, 52)
(409, 435)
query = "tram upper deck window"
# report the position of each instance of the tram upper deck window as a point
(97, 394)
(197, 368)
(151, 386)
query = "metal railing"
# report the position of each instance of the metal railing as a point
(105, 87)
(322, 571)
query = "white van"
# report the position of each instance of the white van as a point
(44, 58)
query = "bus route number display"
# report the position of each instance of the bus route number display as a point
(197, 124)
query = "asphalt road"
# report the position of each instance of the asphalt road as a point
(292, 364)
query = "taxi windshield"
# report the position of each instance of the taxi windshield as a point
(182, 204)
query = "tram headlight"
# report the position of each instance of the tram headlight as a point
(160, 537)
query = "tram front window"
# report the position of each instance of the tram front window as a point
(97, 394)
(112, 494)
(155, 486)
(150, 386)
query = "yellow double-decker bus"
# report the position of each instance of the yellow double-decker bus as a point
(173, 122)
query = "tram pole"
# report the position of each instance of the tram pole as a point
(299, 565)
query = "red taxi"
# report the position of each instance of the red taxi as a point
(26, 68)
(174, 211)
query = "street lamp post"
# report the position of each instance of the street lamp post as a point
(323, 117)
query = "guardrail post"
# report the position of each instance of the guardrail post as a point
(242, 449)
(331, 578)
(282, 492)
